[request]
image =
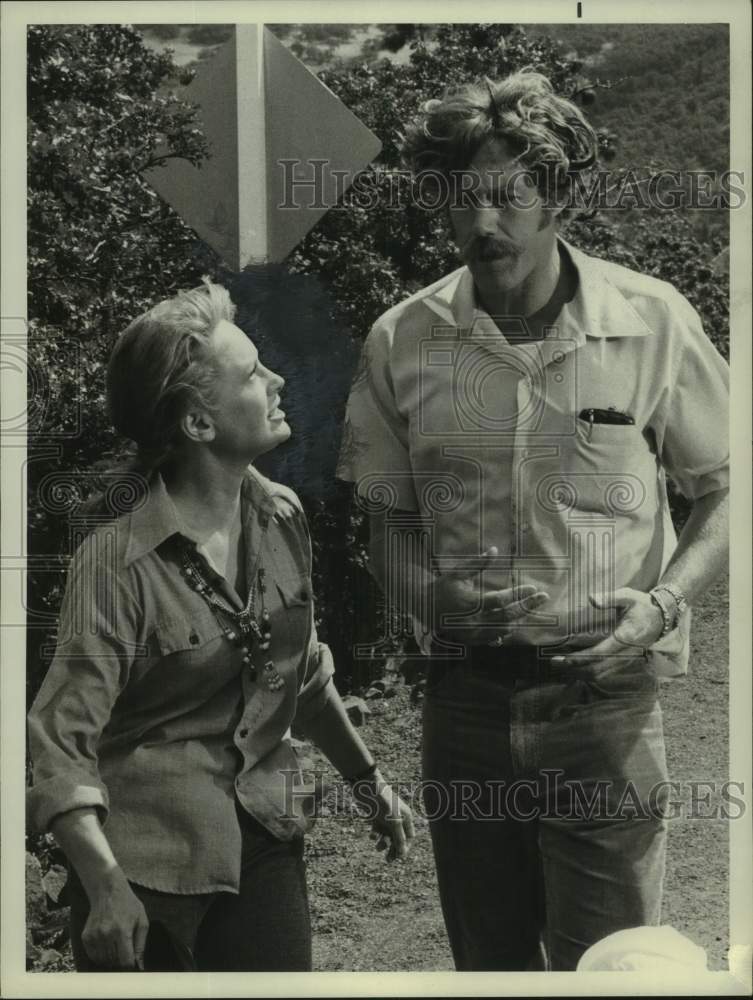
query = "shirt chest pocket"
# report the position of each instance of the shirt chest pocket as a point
(604, 469)
(294, 592)
(186, 652)
(192, 637)
(291, 619)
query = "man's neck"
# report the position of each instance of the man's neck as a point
(538, 301)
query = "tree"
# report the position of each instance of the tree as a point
(102, 247)
(209, 34)
(164, 32)
(371, 252)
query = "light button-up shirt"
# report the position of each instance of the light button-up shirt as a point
(484, 438)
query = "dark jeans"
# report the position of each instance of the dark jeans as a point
(265, 928)
(545, 804)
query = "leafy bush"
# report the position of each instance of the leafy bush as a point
(103, 247)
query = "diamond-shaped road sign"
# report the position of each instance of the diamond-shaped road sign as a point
(277, 137)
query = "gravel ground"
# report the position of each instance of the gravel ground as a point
(372, 916)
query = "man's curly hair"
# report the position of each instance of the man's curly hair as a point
(547, 134)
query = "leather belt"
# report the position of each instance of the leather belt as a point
(517, 662)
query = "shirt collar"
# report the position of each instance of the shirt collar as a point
(598, 309)
(157, 519)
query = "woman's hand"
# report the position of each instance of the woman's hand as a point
(115, 932)
(391, 818)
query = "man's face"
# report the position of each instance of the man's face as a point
(502, 229)
(248, 421)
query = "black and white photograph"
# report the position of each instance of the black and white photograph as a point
(376, 499)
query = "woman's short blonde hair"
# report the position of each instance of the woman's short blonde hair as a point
(161, 365)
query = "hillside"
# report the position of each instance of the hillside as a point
(672, 104)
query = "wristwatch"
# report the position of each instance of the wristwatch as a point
(670, 616)
(679, 598)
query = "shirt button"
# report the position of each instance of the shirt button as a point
(243, 734)
(193, 639)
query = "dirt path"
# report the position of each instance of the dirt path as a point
(372, 916)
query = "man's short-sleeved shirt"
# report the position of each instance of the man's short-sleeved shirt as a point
(489, 438)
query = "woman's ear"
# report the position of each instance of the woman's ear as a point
(198, 426)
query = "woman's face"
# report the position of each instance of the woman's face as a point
(248, 420)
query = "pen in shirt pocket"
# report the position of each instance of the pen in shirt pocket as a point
(595, 415)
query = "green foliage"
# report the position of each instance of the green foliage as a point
(164, 32)
(209, 34)
(665, 245)
(103, 247)
(372, 257)
(672, 104)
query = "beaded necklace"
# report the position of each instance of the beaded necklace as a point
(245, 626)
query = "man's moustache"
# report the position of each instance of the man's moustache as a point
(488, 250)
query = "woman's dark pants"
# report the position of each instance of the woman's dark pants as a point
(265, 928)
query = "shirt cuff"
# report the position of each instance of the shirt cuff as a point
(53, 796)
(695, 487)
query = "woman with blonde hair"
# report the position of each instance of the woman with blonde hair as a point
(186, 650)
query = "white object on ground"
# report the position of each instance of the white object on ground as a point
(644, 949)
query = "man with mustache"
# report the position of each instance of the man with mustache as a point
(509, 433)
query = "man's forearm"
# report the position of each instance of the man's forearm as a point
(702, 548)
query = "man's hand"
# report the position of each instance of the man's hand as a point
(498, 612)
(640, 625)
(391, 818)
(115, 932)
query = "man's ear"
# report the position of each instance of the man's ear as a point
(551, 215)
(557, 210)
(198, 426)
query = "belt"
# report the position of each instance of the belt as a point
(515, 662)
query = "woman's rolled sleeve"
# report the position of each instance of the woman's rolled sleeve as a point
(53, 796)
(318, 687)
(95, 649)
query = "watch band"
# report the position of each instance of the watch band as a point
(677, 596)
(668, 620)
